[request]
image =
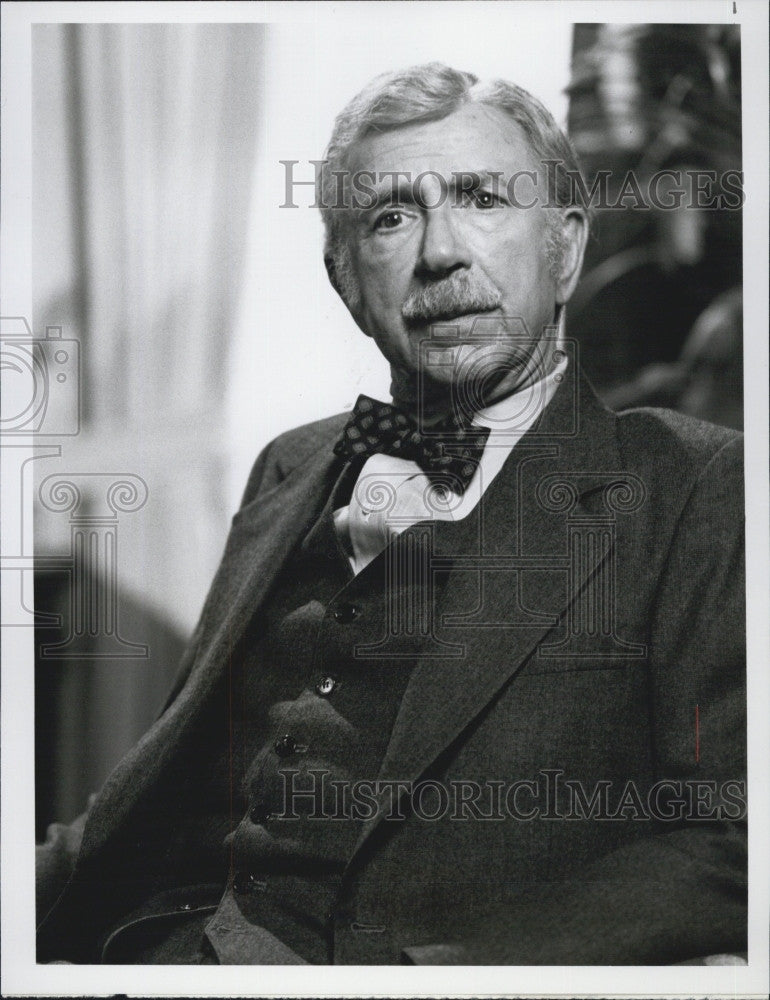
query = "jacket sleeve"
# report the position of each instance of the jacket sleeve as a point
(55, 860)
(681, 892)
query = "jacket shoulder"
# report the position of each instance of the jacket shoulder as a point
(677, 447)
(292, 447)
(289, 450)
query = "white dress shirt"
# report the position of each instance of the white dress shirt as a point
(391, 493)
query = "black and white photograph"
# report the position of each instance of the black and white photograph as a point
(385, 548)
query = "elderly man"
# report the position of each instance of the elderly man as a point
(468, 686)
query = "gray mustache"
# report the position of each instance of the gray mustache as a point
(456, 295)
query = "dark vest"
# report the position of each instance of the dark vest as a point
(312, 717)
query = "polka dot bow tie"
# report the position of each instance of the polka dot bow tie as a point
(450, 451)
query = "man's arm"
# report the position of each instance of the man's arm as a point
(681, 892)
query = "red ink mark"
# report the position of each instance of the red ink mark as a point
(697, 735)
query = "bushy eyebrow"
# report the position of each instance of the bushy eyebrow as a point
(392, 191)
(391, 188)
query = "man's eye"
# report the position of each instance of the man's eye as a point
(389, 220)
(483, 199)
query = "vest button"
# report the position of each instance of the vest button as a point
(346, 613)
(325, 686)
(285, 746)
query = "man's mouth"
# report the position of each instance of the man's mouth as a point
(448, 315)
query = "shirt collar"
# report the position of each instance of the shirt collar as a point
(519, 410)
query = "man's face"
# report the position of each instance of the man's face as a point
(461, 260)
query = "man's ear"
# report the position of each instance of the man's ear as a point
(348, 296)
(331, 271)
(575, 225)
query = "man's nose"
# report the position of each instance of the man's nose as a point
(443, 247)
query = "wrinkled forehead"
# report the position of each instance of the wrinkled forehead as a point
(475, 138)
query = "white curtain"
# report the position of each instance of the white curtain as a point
(145, 139)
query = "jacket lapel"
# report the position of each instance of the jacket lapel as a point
(444, 695)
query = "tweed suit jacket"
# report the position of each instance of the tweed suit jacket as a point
(597, 604)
